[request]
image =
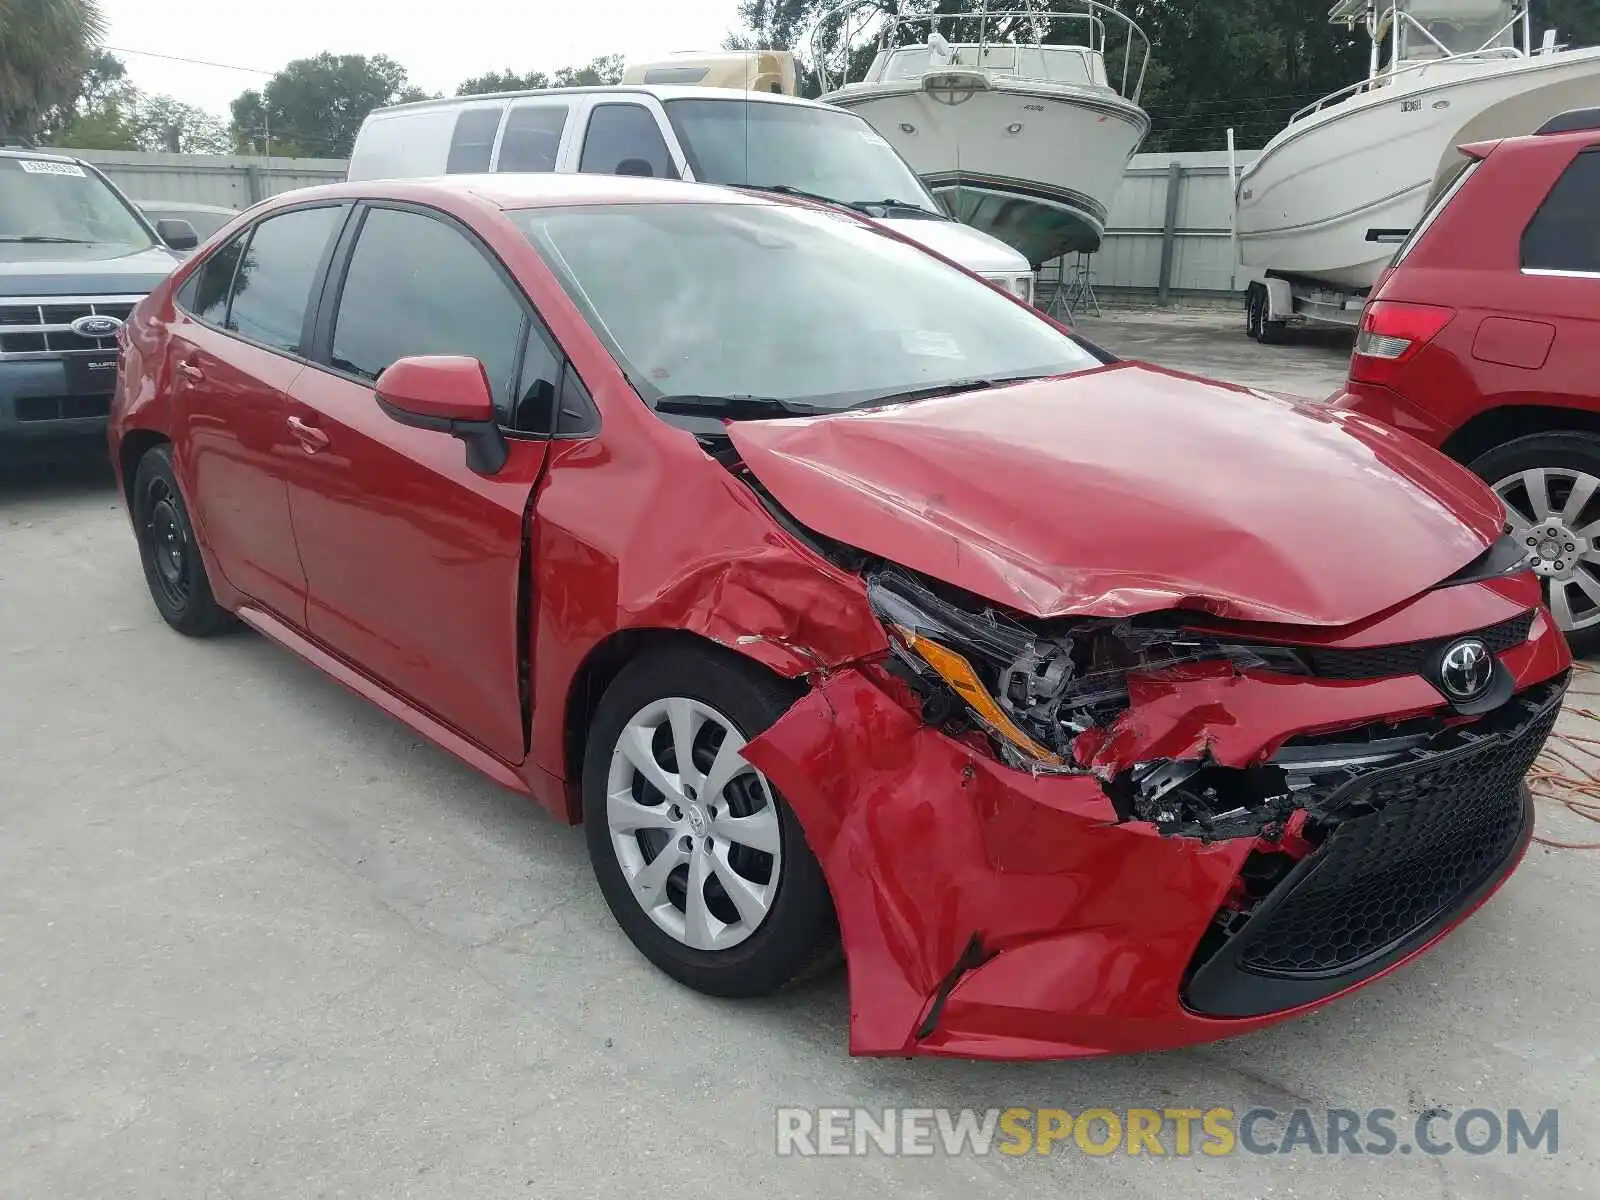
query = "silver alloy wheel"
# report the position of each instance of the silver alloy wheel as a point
(1547, 508)
(694, 827)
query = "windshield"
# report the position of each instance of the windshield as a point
(785, 303)
(826, 151)
(46, 201)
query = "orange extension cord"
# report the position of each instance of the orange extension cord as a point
(1556, 777)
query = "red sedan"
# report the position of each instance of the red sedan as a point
(847, 601)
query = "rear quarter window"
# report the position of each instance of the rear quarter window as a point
(1564, 235)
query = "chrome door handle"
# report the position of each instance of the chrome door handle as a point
(190, 371)
(311, 438)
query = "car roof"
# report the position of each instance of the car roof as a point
(517, 189)
(189, 205)
(661, 91)
(47, 155)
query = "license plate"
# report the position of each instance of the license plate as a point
(91, 374)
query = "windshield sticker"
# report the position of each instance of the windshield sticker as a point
(930, 343)
(39, 166)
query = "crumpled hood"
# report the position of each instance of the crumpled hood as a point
(1132, 489)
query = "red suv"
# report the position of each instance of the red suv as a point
(1483, 338)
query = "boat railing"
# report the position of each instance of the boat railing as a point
(1389, 76)
(839, 31)
(1396, 20)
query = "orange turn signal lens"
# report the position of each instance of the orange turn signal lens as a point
(958, 673)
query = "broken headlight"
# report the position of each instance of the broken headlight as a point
(1033, 691)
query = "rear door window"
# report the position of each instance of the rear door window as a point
(272, 286)
(205, 295)
(1564, 235)
(622, 139)
(532, 138)
(472, 143)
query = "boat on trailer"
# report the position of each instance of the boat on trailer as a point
(1323, 208)
(1021, 121)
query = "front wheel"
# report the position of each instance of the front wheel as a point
(699, 858)
(1550, 484)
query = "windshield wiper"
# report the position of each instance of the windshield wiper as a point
(864, 207)
(783, 189)
(36, 238)
(890, 207)
(955, 387)
(738, 407)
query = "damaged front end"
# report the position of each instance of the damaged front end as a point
(1130, 833)
(1051, 698)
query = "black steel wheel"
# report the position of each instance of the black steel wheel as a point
(171, 558)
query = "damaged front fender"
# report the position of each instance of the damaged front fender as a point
(928, 844)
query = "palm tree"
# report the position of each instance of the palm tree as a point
(45, 45)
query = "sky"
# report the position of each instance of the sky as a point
(438, 44)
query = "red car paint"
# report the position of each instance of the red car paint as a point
(1173, 521)
(371, 550)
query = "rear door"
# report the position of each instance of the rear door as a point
(236, 346)
(415, 565)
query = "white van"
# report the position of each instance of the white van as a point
(755, 139)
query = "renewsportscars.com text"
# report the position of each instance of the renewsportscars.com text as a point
(1171, 1132)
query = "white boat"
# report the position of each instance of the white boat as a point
(1332, 194)
(1011, 117)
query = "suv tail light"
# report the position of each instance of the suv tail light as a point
(1391, 335)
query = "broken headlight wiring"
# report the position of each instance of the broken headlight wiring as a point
(1033, 691)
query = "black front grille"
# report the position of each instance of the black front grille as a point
(1437, 833)
(1409, 658)
(61, 408)
(1403, 850)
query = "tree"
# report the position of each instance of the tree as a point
(162, 123)
(45, 46)
(1577, 22)
(606, 69)
(603, 70)
(314, 106)
(104, 80)
(503, 81)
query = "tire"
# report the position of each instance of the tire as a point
(169, 553)
(1254, 310)
(1564, 459)
(797, 932)
(1273, 333)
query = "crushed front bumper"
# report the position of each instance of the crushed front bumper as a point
(986, 912)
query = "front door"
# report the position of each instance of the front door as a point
(415, 564)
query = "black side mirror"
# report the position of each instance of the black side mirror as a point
(178, 235)
(635, 166)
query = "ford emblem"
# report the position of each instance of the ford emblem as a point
(96, 327)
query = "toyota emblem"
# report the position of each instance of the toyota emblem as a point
(96, 326)
(1466, 670)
